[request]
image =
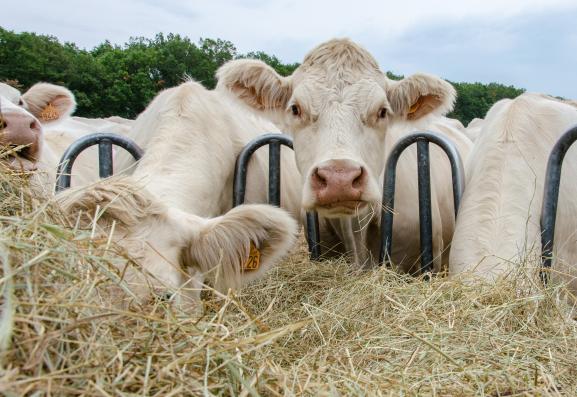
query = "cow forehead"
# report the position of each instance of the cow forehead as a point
(8, 106)
(8, 93)
(318, 95)
(339, 55)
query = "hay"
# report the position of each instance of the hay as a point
(306, 329)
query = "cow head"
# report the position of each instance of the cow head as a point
(177, 248)
(337, 106)
(22, 118)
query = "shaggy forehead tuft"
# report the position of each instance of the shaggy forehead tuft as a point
(340, 54)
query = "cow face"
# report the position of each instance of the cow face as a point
(179, 249)
(337, 106)
(22, 117)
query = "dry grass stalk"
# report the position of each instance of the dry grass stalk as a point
(307, 329)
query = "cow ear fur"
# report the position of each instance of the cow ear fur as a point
(49, 102)
(255, 83)
(223, 246)
(421, 94)
(115, 199)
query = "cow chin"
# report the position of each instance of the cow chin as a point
(343, 209)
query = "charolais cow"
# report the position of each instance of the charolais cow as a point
(498, 225)
(25, 119)
(38, 125)
(173, 212)
(345, 115)
(474, 128)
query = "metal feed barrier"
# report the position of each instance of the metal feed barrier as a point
(422, 138)
(424, 183)
(551, 198)
(274, 142)
(105, 164)
(105, 141)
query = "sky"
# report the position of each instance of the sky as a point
(530, 44)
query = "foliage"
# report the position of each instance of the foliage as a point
(122, 79)
(475, 99)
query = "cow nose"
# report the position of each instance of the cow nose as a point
(20, 129)
(337, 181)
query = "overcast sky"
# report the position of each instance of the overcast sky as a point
(527, 43)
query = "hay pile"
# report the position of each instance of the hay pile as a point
(308, 328)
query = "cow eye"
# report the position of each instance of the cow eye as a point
(20, 102)
(296, 110)
(382, 113)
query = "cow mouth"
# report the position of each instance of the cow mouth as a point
(19, 157)
(340, 208)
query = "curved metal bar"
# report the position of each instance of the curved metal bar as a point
(388, 204)
(104, 142)
(551, 198)
(240, 174)
(241, 167)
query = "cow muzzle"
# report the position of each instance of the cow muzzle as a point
(20, 133)
(338, 186)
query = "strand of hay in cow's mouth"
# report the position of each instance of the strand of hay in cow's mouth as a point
(308, 328)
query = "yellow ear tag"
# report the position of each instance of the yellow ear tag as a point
(49, 113)
(253, 261)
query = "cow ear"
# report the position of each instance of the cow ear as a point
(117, 199)
(255, 83)
(419, 95)
(243, 244)
(49, 102)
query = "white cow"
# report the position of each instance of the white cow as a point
(40, 120)
(174, 212)
(474, 128)
(25, 119)
(344, 115)
(498, 223)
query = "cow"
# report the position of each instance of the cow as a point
(38, 124)
(345, 115)
(172, 210)
(474, 129)
(24, 119)
(498, 224)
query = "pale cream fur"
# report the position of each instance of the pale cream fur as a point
(42, 94)
(55, 136)
(192, 137)
(498, 225)
(339, 91)
(171, 244)
(29, 106)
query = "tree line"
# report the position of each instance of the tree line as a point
(122, 79)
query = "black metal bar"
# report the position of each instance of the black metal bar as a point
(458, 180)
(105, 158)
(274, 173)
(313, 235)
(63, 173)
(425, 222)
(551, 198)
(240, 174)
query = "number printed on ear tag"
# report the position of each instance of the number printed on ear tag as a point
(49, 113)
(253, 261)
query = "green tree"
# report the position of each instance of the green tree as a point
(122, 79)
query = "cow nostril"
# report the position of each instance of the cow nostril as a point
(319, 179)
(33, 125)
(358, 181)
